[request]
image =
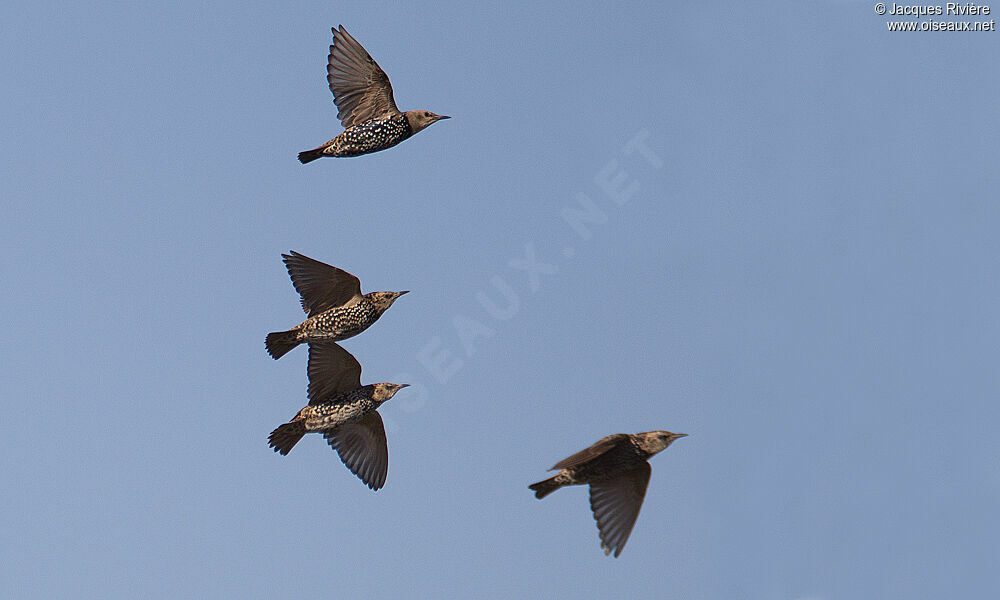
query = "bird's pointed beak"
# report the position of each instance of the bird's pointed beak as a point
(442, 117)
(403, 385)
(404, 292)
(680, 435)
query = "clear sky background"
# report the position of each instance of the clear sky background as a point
(803, 278)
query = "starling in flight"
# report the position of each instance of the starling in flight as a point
(344, 411)
(617, 470)
(363, 95)
(332, 298)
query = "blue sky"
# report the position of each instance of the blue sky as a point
(803, 278)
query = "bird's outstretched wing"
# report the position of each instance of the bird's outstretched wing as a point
(616, 505)
(363, 448)
(361, 89)
(596, 449)
(320, 285)
(332, 371)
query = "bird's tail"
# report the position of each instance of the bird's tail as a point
(544, 488)
(279, 343)
(310, 155)
(284, 438)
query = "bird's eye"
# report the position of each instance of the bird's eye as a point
(427, 114)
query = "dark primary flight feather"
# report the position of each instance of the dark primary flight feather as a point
(361, 89)
(332, 371)
(363, 448)
(321, 286)
(596, 449)
(616, 505)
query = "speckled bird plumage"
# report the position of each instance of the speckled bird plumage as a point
(333, 301)
(366, 108)
(370, 136)
(342, 408)
(345, 412)
(617, 471)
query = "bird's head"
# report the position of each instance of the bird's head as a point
(421, 119)
(383, 300)
(655, 441)
(384, 391)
